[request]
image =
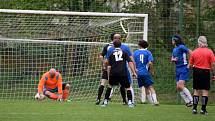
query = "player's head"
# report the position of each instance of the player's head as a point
(177, 40)
(143, 44)
(202, 41)
(115, 36)
(112, 35)
(116, 43)
(52, 72)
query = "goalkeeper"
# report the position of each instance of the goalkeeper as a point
(52, 87)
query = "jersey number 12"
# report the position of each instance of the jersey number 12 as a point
(118, 55)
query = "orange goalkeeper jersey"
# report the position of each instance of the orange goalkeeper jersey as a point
(50, 83)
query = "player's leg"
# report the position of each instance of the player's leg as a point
(142, 94)
(205, 83)
(123, 94)
(131, 83)
(149, 96)
(50, 95)
(132, 93)
(142, 90)
(101, 87)
(124, 81)
(66, 89)
(204, 102)
(196, 88)
(148, 84)
(112, 81)
(153, 95)
(111, 93)
(184, 92)
(195, 100)
(182, 76)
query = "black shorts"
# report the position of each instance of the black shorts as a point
(63, 85)
(104, 74)
(201, 79)
(122, 80)
(55, 89)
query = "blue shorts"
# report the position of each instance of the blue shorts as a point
(145, 80)
(182, 73)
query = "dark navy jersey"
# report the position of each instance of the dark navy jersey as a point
(106, 48)
(124, 47)
(118, 61)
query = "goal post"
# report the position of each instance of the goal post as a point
(32, 42)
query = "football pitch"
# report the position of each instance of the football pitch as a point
(82, 111)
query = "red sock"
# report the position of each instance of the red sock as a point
(65, 94)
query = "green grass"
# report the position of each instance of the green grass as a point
(81, 111)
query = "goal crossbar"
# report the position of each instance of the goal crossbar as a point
(71, 13)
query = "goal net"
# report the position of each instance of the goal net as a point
(32, 42)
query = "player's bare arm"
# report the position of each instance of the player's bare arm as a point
(151, 68)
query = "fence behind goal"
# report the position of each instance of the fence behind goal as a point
(32, 42)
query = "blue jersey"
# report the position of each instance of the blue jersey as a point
(142, 57)
(180, 53)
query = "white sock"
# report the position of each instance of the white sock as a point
(154, 98)
(149, 97)
(142, 95)
(132, 94)
(111, 93)
(183, 95)
(187, 93)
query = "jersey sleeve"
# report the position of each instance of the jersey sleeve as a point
(212, 57)
(104, 51)
(128, 50)
(109, 52)
(150, 57)
(59, 83)
(41, 83)
(184, 48)
(127, 58)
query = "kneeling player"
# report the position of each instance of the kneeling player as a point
(50, 84)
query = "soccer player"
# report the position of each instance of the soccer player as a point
(143, 60)
(51, 83)
(179, 56)
(202, 61)
(125, 48)
(117, 72)
(104, 79)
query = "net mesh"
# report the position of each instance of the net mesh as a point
(31, 44)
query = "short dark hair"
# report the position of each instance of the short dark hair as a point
(116, 43)
(112, 35)
(178, 40)
(143, 44)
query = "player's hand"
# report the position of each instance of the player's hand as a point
(152, 73)
(174, 59)
(60, 97)
(134, 75)
(213, 78)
